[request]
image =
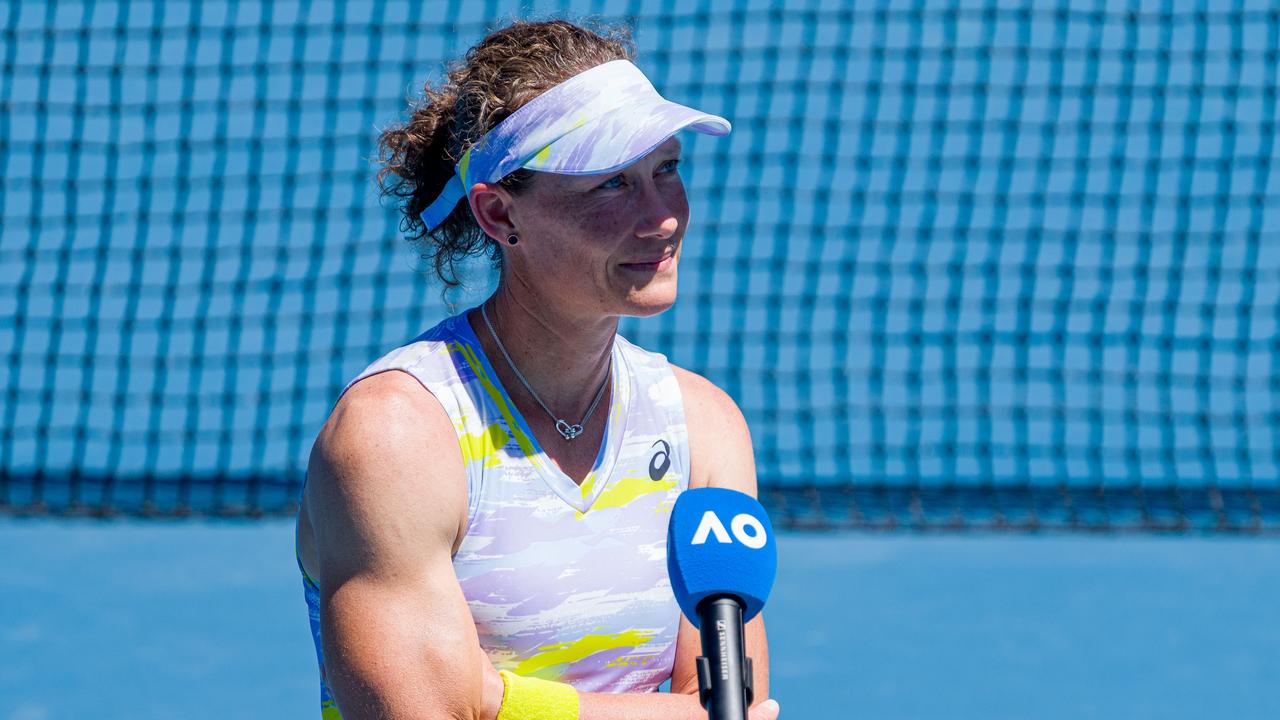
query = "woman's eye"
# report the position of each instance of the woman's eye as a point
(616, 181)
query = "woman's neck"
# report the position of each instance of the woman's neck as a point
(564, 357)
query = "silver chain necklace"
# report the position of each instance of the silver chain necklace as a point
(568, 431)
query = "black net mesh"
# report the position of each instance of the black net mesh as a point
(1011, 265)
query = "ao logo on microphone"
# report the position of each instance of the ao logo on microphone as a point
(746, 528)
(720, 542)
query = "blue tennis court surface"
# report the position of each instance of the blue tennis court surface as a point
(206, 620)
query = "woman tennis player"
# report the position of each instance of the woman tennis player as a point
(483, 530)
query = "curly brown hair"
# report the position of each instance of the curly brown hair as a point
(507, 69)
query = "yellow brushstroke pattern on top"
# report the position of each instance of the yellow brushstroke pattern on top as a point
(550, 660)
(627, 489)
(588, 483)
(483, 445)
(526, 445)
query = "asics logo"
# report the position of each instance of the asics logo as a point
(661, 461)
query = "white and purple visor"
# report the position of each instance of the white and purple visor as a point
(595, 122)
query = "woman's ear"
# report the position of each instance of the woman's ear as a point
(491, 206)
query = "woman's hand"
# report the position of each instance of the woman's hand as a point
(492, 688)
(767, 710)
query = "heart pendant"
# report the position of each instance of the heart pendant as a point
(568, 431)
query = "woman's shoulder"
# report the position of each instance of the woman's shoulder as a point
(387, 398)
(390, 415)
(705, 400)
(720, 448)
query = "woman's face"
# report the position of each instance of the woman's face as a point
(607, 243)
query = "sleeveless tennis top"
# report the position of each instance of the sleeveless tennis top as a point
(564, 582)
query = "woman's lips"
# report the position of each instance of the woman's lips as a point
(654, 266)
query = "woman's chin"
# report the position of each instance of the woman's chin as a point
(651, 300)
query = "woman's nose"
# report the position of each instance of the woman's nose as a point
(659, 216)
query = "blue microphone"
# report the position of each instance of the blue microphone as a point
(722, 559)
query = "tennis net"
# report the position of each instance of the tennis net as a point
(963, 265)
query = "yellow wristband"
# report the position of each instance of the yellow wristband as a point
(526, 698)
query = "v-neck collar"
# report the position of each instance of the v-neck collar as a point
(579, 497)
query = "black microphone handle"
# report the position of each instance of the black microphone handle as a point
(724, 672)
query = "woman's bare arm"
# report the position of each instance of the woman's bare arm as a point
(721, 455)
(385, 490)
